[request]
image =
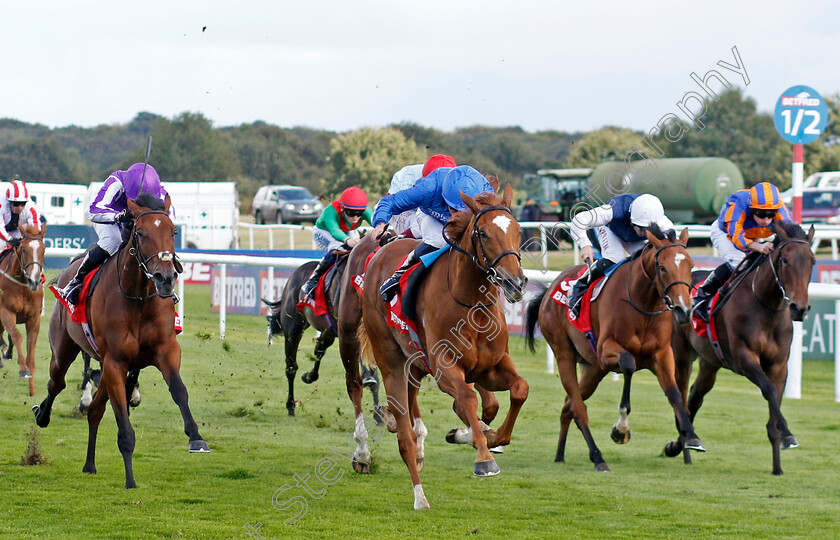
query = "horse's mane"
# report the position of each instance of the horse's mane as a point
(29, 230)
(149, 201)
(793, 231)
(458, 223)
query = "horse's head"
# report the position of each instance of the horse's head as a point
(489, 234)
(153, 242)
(30, 252)
(792, 261)
(672, 270)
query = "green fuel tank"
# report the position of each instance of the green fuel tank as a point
(691, 189)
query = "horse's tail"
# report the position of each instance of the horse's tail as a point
(367, 348)
(532, 314)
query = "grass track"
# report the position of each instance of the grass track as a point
(237, 395)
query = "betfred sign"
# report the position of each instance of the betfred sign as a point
(800, 115)
(245, 286)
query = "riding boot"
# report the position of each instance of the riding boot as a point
(392, 284)
(325, 263)
(595, 271)
(708, 289)
(94, 258)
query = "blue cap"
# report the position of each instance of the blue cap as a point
(466, 179)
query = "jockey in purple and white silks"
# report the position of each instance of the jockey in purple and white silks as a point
(109, 212)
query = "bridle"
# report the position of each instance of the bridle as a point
(143, 261)
(23, 267)
(488, 266)
(777, 276)
(660, 283)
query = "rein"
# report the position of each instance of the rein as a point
(489, 268)
(669, 303)
(134, 251)
(23, 267)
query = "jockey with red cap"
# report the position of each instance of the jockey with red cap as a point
(336, 227)
(17, 209)
(109, 214)
(406, 223)
(746, 218)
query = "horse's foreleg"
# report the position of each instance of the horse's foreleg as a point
(663, 367)
(33, 327)
(96, 409)
(777, 423)
(684, 357)
(504, 377)
(396, 387)
(324, 341)
(489, 404)
(416, 421)
(368, 374)
(565, 421)
(706, 376)
(132, 388)
(778, 374)
(350, 350)
(113, 379)
(179, 394)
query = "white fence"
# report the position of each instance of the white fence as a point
(792, 390)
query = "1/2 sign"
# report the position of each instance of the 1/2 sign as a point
(801, 115)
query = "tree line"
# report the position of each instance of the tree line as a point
(189, 148)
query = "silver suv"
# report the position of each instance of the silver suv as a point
(285, 204)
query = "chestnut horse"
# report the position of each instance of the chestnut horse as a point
(755, 328)
(632, 325)
(21, 300)
(460, 324)
(349, 321)
(131, 316)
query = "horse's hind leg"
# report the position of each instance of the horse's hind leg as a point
(64, 351)
(620, 432)
(96, 408)
(293, 332)
(169, 358)
(5, 352)
(9, 320)
(323, 343)
(132, 388)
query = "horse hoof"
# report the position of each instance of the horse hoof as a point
(83, 409)
(778, 472)
(602, 467)
(497, 450)
(130, 485)
(309, 379)
(620, 437)
(42, 418)
(199, 447)
(24, 374)
(486, 468)
(694, 444)
(89, 469)
(134, 403)
(672, 449)
(789, 442)
(291, 412)
(361, 467)
(450, 437)
(2, 364)
(420, 464)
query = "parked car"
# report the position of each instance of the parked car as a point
(818, 204)
(285, 204)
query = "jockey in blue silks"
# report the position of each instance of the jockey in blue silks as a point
(437, 196)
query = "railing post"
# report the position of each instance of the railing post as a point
(222, 300)
(251, 237)
(544, 247)
(793, 387)
(837, 350)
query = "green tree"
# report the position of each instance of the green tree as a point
(189, 149)
(596, 146)
(40, 160)
(368, 158)
(733, 129)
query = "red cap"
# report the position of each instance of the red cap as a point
(437, 161)
(353, 198)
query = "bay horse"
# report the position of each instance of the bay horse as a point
(632, 325)
(131, 316)
(754, 325)
(460, 324)
(21, 299)
(284, 317)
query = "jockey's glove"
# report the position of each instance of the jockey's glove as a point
(14, 242)
(124, 216)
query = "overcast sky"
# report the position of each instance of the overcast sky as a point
(341, 65)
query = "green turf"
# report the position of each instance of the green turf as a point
(237, 393)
